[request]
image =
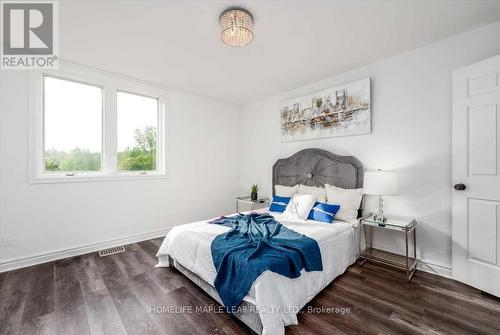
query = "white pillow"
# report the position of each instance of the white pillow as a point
(318, 192)
(348, 199)
(299, 206)
(285, 191)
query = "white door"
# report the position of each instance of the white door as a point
(476, 166)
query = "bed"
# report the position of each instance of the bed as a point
(274, 300)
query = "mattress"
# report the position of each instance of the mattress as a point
(278, 298)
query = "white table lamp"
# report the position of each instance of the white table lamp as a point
(380, 183)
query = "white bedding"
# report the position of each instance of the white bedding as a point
(278, 298)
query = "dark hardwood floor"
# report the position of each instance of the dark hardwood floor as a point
(117, 295)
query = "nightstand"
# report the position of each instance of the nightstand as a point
(244, 204)
(405, 225)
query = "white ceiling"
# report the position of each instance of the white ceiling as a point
(176, 43)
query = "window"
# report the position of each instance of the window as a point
(137, 128)
(92, 125)
(72, 126)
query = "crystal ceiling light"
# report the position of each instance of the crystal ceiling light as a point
(236, 26)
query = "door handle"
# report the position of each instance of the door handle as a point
(459, 187)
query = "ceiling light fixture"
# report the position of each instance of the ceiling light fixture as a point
(236, 26)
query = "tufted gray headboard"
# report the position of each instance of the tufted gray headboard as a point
(317, 167)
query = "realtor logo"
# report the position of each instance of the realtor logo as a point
(29, 34)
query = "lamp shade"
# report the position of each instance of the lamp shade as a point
(381, 183)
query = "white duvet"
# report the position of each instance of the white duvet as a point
(277, 298)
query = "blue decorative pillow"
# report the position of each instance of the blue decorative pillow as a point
(279, 204)
(323, 212)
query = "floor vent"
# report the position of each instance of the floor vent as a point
(111, 251)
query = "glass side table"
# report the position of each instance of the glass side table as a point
(244, 204)
(404, 225)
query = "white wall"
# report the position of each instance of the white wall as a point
(411, 113)
(39, 219)
(411, 133)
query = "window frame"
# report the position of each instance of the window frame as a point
(86, 173)
(158, 118)
(110, 83)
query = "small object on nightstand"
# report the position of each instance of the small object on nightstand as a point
(405, 225)
(244, 204)
(253, 192)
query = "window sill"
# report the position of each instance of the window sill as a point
(89, 178)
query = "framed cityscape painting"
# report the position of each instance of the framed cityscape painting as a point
(337, 111)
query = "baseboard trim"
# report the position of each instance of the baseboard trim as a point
(425, 265)
(430, 266)
(443, 270)
(30, 260)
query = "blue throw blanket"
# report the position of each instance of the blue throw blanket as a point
(256, 243)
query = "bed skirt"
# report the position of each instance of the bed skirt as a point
(247, 313)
